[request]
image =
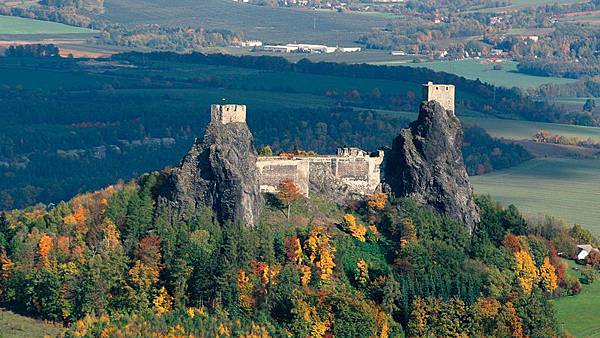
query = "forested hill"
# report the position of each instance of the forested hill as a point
(116, 262)
(144, 259)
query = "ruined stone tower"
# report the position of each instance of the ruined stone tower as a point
(442, 93)
(219, 172)
(228, 113)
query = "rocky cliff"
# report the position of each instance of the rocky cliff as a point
(220, 172)
(426, 163)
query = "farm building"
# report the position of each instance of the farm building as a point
(583, 250)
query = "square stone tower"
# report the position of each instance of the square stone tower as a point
(442, 93)
(228, 113)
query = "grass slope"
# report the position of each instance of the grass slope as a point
(579, 314)
(18, 26)
(478, 69)
(564, 188)
(13, 325)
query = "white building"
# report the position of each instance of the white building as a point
(252, 43)
(583, 250)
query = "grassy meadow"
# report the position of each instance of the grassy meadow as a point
(563, 188)
(579, 314)
(484, 71)
(13, 325)
(22, 26)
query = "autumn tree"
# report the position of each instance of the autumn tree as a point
(350, 225)
(287, 193)
(377, 200)
(44, 248)
(362, 272)
(409, 232)
(293, 249)
(593, 259)
(525, 270)
(417, 325)
(548, 279)
(321, 252)
(163, 302)
(245, 288)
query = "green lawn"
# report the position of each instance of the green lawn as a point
(564, 188)
(14, 325)
(16, 25)
(579, 314)
(478, 69)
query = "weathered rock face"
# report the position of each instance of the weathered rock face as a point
(426, 163)
(220, 172)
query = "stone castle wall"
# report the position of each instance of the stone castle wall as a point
(228, 113)
(350, 172)
(442, 93)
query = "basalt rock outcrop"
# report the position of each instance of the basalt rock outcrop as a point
(426, 163)
(220, 172)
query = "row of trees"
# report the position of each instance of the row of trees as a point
(34, 50)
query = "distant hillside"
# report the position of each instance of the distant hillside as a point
(259, 22)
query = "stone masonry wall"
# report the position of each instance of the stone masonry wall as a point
(228, 113)
(343, 175)
(442, 93)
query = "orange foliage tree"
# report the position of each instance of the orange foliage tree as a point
(287, 193)
(44, 248)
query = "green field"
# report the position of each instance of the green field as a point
(13, 326)
(564, 188)
(273, 25)
(517, 4)
(579, 314)
(478, 69)
(24, 26)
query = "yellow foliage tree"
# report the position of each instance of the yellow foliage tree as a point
(326, 263)
(359, 231)
(349, 221)
(409, 232)
(321, 252)
(548, 278)
(362, 272)
(377, 200)
(306, 275)
(163, 302)
(526, 271)
(245, 289)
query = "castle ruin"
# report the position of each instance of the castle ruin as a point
(442, 93)
(228, 113)
(352, 171)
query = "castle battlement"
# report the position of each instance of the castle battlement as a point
(442, 93)
(228, 113)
